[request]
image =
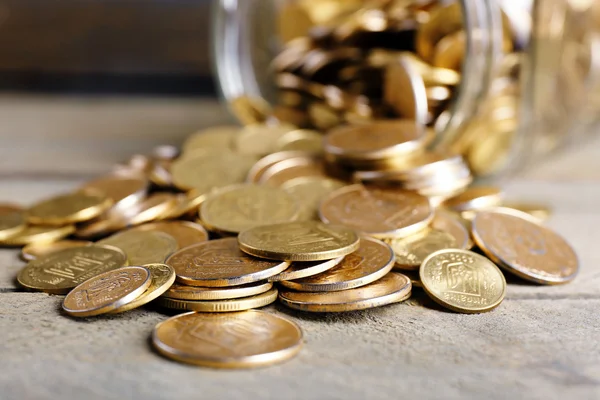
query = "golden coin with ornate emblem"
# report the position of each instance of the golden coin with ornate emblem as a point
(462, 281)
(36, 250)
(236, 340)
(143, 247)
(221, 263)
(522, 246)
(11, 224)
(184, 232)
(162, 277)
(106, 292)
(68, 209)
(299, 241)
(392, 288)
(59, 272)
(227, 305)
(370, 262)
(411, 251)
(185, 292)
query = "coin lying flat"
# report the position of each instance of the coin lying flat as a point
(236, 340)
(162, 277)
(452, 224)
(39, 234)
(68, 209)
(36, 250)
(184, 232)
(370, 262)
(377, 212)
(411, 251)
(106, 292)
(392, 288)
(228, 305)
(298, 270)
(299, 241)
(143, 247)
(59, 272)
(242, 207)
(309, 191)
(462, 281)
(11, 223)
(525, 248)
(221, 263)
(212, 138)
(185, 292)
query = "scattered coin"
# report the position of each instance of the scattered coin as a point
(411, 251)
(39, 234)
(453, 224)
(475, 198)
(257, 171)
(283, 171)
(41, 249)
(184, 232)
(236, 340)
(68, 209)
(227, 305)
(540, 211)
(162, 277)
(11, 224)
(59, 272)
(143, 247)
(106, 292)
(299, 241)
(308, 192)
(124, 191)
(185, 292)
(298, 270)
(462, 281)
(156, 206)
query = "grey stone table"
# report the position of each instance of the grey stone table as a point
(541, 343)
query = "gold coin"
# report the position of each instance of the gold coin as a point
(124, 191)
(298, 270)
(539, 211)
(411, 251)
(521, 246)
(187, 204)
(454, 225)
(308, 192)
(378, 212)
(36, 250)
(11, 224)
(59, 272)
(475, 198)
(462, 281)
(106, 292)
(154, 207)
(108, 223)
(39, 234)
(236, 340)
(375, 140)
(241, 207)
(392, 288)
(162, 277)
(68, 209)
(283, 171)
(143, 247)
(210, 139)
(250, 110)
(221, 263)
(185, 292)
(259, 140)
(299, 241)
(184, 232)
(227, 305)
(301, 140)
(370, 262)
(450, 51)
(404, 90)
(262, 165)
(205, 172)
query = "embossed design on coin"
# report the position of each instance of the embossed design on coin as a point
(376, 211)
(529, 250)
(411, 251)
(371, 261)
(299, 241)
(221, 263)
(162, 277)
(242, 207)
(236, 340)
(392, 288)
(462, 281)
(107, 291)
(68, 208)
(59, 272)
(143, 247)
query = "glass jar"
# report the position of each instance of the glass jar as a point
(528, 69)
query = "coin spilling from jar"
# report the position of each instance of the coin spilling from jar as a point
(347, 208)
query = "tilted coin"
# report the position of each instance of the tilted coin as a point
(283, 171)
(36, 250)
(308, 192)
(525, 248)
(221, 263)
(184, 232)
(301, 140)
(227, 305)
(411, 251)
(162, 277)
(152, 208)
(241, 207)
(105, 292)
(475, 198)
(185, 292)
(299, 241)
(143, 247)
(68, 209)
(462, 281)
(540, 211)
(454, 225)
(256, 172)
(236, 340)
(212, 138)
(378, 212)
(106, 224)
(59, 272)
(449, 51)
(370, 262)
(39, 234)
(392, 288)
(250, 110)
(187, 204)
(298, 270)
(11, 223)
(207, 171)
(124, 191)
(259, 140)
(405, 90)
